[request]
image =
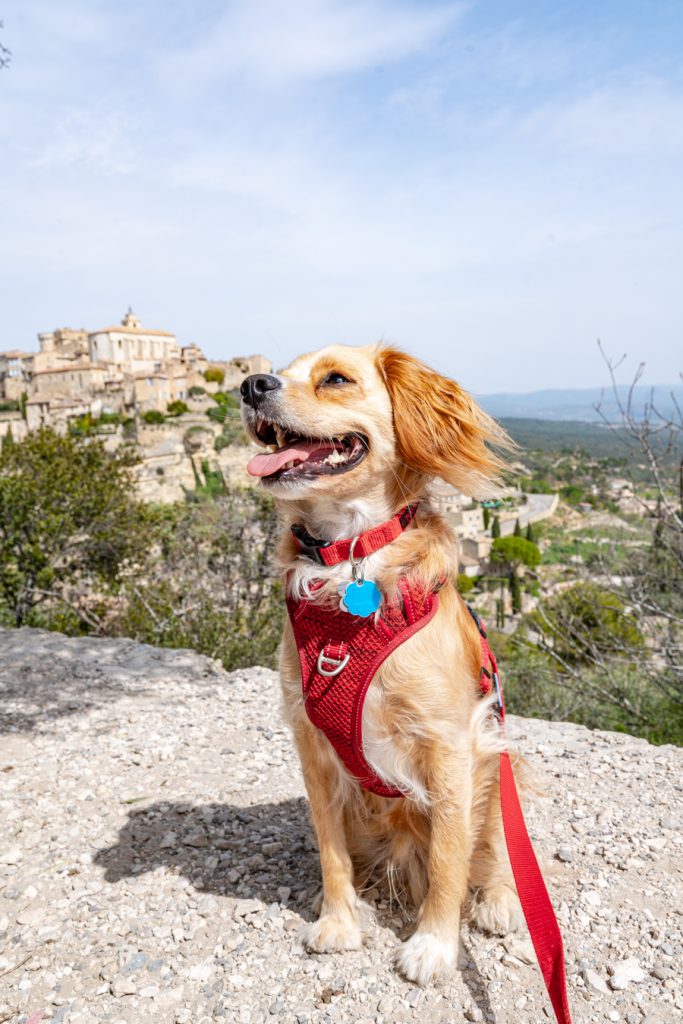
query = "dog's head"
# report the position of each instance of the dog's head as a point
(343, 420)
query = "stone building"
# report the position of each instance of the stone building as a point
(16, 368)
(132, 346)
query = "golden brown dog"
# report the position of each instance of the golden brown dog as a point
(383, 426)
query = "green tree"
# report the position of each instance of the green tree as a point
(530, 533)
(515, 551)
(68, 526)
(586, 623)
(515, 593)
(153, 416)
(495, 528)
(487, 518)
(517, 532)
(176, 408)
(215, 374)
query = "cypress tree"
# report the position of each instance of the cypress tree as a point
(530, 533)
(515, 593)
(518, 529)
(487, 518)
(495, 529)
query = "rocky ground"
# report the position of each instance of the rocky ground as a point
(156, 859)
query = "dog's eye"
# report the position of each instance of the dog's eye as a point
(334, 378)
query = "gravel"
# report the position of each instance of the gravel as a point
(156, 859)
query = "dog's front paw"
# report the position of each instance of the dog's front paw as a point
(498, 911)
(331, 934)
(426, 957)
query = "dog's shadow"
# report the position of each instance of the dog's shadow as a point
(264, 852)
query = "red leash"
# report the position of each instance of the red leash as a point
(533, 895)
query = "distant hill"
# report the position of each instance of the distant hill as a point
(578, 404)
(556, 436)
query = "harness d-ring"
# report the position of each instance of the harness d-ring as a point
(339, 664)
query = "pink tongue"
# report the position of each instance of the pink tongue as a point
(265, 465)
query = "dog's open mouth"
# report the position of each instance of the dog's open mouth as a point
(297, 457)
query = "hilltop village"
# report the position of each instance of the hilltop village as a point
(132, 384)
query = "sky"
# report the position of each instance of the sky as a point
(490, 185)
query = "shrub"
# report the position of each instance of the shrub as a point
(153, 416)
(465, 583)
(176, 408)
(68, 526)
(227, 400)
(209, 583)
(196, 391)
(215, 374)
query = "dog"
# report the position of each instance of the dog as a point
(355, 435)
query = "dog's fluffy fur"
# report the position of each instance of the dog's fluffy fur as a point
(426, 730)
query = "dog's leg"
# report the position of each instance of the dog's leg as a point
(341, 911)
(495, 906)
(434, 948)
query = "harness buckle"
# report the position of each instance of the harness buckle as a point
(338, 663)
(308, 545)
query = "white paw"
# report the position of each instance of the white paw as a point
(426, 957)
(498, 911)
(330, 934)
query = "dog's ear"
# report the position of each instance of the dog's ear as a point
(440, 429)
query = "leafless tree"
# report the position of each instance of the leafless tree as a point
(5, 53)
(615, 643)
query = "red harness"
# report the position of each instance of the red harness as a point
(340, 654)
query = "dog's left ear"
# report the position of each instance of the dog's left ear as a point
(440, 429)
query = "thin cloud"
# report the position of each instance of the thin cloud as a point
(273, 42)
(627, 120)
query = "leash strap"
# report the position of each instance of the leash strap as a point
(363, 545)
(533, 896)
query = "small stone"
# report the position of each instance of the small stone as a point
(169, 839)
(474, 1013)
(31, 915)
(197, 838)
(414, 997)
(201, 972)
(565, 855)
(135, 964)
(149, 991)
(662, 973)
(277, 1007)
(122, 986)
(519, 948)
(11, 856)
(625, 972)
(594, 982)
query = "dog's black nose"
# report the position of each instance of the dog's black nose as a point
(253, 388)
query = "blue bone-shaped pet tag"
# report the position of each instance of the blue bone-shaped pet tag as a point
(360, 597)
